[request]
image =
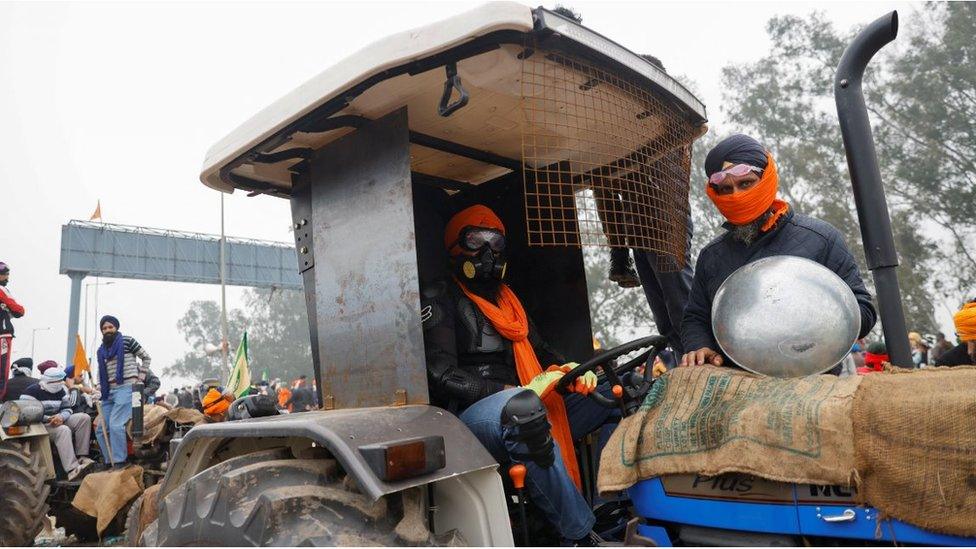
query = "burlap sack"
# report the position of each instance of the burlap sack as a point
(915, 447)
(103, 495)
(712, 420)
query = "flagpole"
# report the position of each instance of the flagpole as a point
(223, 287)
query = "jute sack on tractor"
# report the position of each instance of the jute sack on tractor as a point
(155, 416)
(915, 446)
(103, 495)
(712, 420)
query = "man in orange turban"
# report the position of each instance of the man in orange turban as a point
(487, 363)
(965, 352)
(743, 184)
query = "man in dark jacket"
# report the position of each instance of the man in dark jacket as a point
(20, 378)
(965, 352)
(742, 184)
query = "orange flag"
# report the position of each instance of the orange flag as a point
(97, 214)
(80, 360)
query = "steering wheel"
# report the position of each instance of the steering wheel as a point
(628, 397)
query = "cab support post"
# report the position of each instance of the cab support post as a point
(869, 195)
(353, 217)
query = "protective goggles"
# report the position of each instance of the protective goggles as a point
(473, 239)
(738, 170)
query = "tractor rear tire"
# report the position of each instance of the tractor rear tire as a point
(133, 529)
(272, 498)
(23, 493)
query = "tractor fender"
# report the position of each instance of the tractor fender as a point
(343, 433)
(40, 443)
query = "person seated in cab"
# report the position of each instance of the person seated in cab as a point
(742, 183)
(487, 363)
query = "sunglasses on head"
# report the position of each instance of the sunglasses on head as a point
(738, 170)
(473, 239)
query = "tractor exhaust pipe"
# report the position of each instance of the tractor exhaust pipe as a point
(869, 195)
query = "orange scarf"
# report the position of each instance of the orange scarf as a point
(965, 321)
(508, 317)
(741, 208)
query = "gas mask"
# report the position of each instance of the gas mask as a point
(488, 264)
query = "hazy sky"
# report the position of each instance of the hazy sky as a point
(120, 101)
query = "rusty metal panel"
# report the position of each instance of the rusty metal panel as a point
(362, 287)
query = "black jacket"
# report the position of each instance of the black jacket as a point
(16, 386)
(956, 356)
(796, 235)
(467, 359)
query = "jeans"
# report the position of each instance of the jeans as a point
(666, 292)
(116, 411)
(550, 488)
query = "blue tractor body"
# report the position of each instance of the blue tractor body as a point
(763, 510)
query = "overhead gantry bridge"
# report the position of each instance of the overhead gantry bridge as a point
(143, 253)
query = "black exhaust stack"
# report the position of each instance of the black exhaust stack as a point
(869, 195)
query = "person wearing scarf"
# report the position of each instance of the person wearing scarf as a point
(743, 183)
(215, 404)
(965, 352)
(118, 370)
(70, 432)
(875, 358)
(483, 352)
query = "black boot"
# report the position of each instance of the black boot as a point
(622, 268)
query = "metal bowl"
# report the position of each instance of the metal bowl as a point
(785, 316)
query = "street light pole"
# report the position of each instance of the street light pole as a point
(34, 331)
(88, 285)
(223, 287)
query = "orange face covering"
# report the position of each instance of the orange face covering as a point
(965, 321)
(742, 208)
(508, 317)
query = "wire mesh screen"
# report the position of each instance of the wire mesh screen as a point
(606, 162)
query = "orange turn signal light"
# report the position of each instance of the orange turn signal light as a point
(16, 430)
(406, 458)
(618, 391)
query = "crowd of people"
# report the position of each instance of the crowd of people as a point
(79, 404)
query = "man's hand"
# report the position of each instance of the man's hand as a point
(545, 382)
(584, 384)
(55, 421)
(702, 356)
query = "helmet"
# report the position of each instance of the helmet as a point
(785, 316)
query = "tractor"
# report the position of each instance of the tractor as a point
(542, 120)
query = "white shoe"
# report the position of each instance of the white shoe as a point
(73, 474)
(84, 462)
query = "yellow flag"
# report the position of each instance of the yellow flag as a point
(80, 360)
(239, 381)
(97, 214)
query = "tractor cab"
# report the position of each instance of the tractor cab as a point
(570, 138)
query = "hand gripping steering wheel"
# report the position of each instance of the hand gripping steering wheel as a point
(628, 396)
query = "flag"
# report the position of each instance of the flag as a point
(97, 214)
(80, 360)
(239, 381)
